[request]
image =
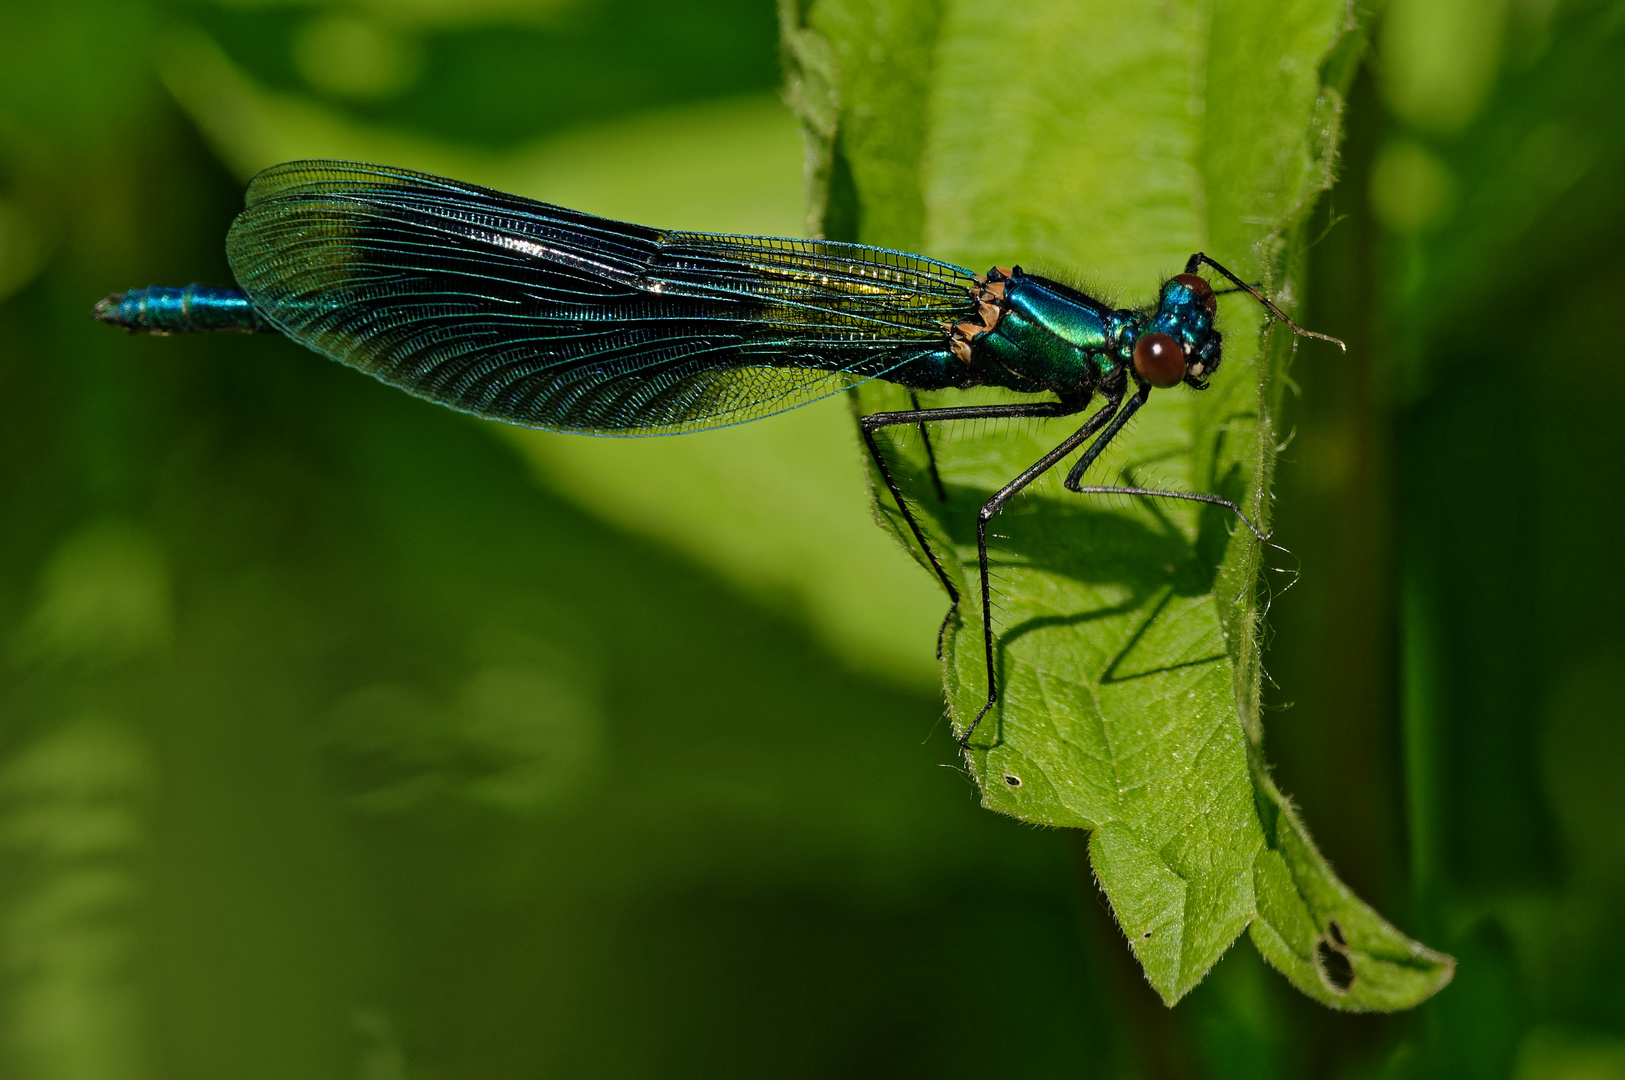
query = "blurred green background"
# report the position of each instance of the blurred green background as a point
(341, 736)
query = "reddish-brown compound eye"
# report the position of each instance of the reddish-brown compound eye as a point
(1159, 360)
(1201, 290)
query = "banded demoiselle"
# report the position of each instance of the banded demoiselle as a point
(537, 315)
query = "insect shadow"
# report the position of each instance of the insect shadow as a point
(1091, 540)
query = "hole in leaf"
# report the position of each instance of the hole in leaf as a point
(1013, 781)
(1335, 969)
(1335, 932)
(1146, 936)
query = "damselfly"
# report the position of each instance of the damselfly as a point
(533, 314)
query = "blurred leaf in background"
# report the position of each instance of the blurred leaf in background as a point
(1453, 495)
(339, 739)
(341, 735)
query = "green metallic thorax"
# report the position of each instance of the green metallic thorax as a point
(1053, 338)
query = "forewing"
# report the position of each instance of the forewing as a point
(544, 316)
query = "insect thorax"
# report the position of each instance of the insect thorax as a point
(1047, 337)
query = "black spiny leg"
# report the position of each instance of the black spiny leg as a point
(1074, 478)
(875, 421)
(1089, 455)
(930, 458)
(1188, 496)
(1195, 263)
(1114, 398)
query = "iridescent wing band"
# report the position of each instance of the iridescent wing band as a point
(539, 315)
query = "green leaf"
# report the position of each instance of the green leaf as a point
(1117, 139)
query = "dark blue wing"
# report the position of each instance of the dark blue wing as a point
(543, 316)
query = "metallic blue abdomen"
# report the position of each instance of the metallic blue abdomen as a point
(162, 309)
